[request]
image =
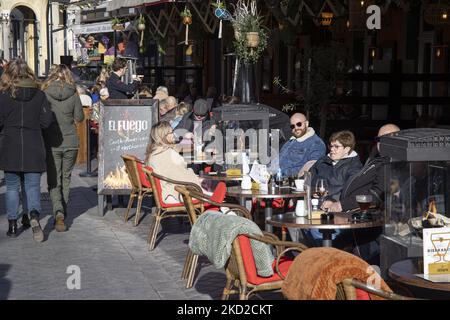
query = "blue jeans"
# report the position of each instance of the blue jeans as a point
(32, 181)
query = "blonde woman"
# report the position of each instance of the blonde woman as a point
(61, 139)
(167, 162)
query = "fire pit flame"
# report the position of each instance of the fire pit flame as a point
(117, 179)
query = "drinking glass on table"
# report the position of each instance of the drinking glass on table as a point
(321, 190)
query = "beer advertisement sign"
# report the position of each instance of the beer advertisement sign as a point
(436, 252)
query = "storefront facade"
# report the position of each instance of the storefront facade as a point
(24, 32)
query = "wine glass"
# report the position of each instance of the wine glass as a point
(321, 189)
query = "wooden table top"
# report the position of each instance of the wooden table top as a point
(341, 221)
(404, 271)
(267, 194)
(220, 177)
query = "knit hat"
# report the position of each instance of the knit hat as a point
(201, 108)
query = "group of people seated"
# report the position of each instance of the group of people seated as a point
(341, 167)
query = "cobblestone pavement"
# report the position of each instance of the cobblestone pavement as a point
(113, 256)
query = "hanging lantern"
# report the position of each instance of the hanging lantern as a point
(326, 18)
(186, 15)
(437, 14)
(222, 14)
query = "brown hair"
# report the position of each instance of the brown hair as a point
(158, 138)
(346, 138)
(118, 64)
(15, 71)
(59, 73)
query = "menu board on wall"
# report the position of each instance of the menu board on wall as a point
(124, 129)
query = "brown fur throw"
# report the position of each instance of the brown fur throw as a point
(315, 273)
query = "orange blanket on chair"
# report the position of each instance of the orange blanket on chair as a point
(315, 273)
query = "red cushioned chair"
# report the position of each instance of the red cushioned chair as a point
(209, 203)
(241, 267)
(140, 186)
(165, 210)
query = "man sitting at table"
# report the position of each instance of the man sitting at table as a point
(302, 150)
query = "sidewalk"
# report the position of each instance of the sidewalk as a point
(112, 256)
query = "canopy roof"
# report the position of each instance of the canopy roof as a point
(117, 4)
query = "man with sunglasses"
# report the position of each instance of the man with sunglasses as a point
(302, 150)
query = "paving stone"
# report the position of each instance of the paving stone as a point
(113, 256)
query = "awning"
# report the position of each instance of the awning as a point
(92, 28)
(117, 4)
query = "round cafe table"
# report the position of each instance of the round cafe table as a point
(326, 228)
(405, 272)
(267, 196)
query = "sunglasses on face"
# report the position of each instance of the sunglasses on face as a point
(298, 124)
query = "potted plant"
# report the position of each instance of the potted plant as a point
(186, 15)
(117, 24)
(141, 23)
(247, 21)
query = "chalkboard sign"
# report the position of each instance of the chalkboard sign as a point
(124, 129)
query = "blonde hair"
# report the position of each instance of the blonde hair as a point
(15, 71)
(59, 73)
(158, 138)
(182, 109)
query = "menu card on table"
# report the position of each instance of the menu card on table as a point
(436, 254)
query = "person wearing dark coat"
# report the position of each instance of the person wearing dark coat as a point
(336, 168)
(24, 112)
(61, 139)
(339, 165)
(367, 181)
(116, 88)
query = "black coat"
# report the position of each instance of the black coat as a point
(119, 90)
(21, 120)
(369, 180)
(335, 175)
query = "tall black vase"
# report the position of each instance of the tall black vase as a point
(246, 85)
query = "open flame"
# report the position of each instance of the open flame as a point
(117, 179)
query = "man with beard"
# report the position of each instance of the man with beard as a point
(302, 150)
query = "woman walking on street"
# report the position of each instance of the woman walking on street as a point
(24, 111)
(61, 139)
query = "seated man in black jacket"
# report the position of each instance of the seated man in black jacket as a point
(116, 88)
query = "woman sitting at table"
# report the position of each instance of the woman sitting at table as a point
(167, 162)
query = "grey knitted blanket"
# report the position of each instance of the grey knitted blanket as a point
(213, 234)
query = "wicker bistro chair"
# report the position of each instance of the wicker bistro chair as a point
(140, 185)
(240, 269)
(209, 203)
(165, 210)
(352, 289)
